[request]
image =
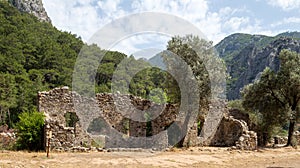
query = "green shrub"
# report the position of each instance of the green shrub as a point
(30, 131)
(158, 96)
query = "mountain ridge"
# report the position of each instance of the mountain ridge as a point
(246, 56)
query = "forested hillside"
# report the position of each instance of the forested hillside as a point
(34, 56)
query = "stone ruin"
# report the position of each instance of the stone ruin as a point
(76, 121)
(7, 137)
(234, 132)
(282, 140)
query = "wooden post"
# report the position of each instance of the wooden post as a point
(48, 137)
(48, 147)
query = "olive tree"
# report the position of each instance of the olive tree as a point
(276, 96)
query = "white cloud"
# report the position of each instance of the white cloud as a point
(191, 10)
(287, 21)
(109, 6)
(79, 17)
(195, 11)
(286, 5)
(82, 17)
(86, 17)
(138, 43)
(235, 23)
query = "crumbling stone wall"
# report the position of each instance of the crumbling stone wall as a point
(233, 132)
(119, 130)
(7, 137)
(297, 137)
(55, 104)
(281, 140)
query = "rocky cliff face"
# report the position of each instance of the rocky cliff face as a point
(34, 7)
(247, 56)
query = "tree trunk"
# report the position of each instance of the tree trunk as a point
(291, 132)
(9, 120)
(265, 139)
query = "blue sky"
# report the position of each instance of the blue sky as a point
(215, 18)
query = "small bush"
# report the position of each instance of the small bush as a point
(30, 131)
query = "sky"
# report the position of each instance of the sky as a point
(216, 19)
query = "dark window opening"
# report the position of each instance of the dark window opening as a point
(148, 129)
(71, 119)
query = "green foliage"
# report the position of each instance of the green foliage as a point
(236, 104)
(126, 75)
(275, 98)
(34, 56)
(198, 54)
(158, 96)
(30, 130)
(279, 131)
(7, 97)
(199, 127)
(150, 83)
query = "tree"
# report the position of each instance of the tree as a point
(198, 72)
(207, 69)
(276, 96)
(7, 97)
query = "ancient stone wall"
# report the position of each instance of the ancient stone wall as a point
(282, 140)
(119, 130)
(55, 104)
(7, 137)
(233, 132)
(125, 121)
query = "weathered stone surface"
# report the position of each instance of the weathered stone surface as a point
(34, 7)
(279, 140)
(237, 114)
(119, 130)
(233, 132)
(7, 137)
(247, 141)
(217, 109)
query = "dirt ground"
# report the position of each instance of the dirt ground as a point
(206, 157)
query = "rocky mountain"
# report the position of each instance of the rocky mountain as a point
(246, 56)
(157, 61)
(34, 7)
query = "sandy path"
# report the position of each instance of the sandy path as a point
(195, 157)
